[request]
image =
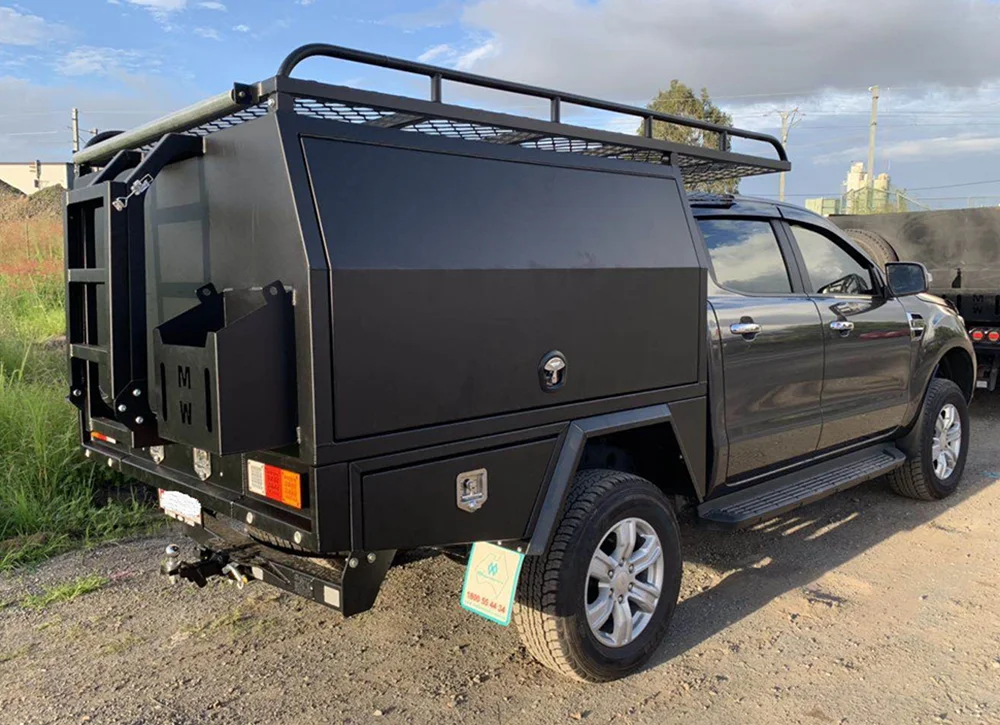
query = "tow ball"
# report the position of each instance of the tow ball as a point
(210, 563)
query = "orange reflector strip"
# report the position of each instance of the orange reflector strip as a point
(101, 437)
(275, 483)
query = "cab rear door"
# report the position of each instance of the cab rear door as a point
(772, 344)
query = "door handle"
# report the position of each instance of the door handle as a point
(744, 328)
(844, 327)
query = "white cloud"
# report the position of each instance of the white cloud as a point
(241, 28)
(942, 146)
(41, 130)
(212, 6)
(951, 146)
(627, 49)
(162, 10)
(436, 16)
(444, 50)
(17, 28)
(91, 60)
(210, 33)
(160, 6)
(305, 2)
(485, 50)
(463, 57)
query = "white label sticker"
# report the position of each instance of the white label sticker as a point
(491, 581)
(181, 507)
(255, 477)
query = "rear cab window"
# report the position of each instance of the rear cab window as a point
(745, 256)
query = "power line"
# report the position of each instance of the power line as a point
(955, 186)
(85, 110)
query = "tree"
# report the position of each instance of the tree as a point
(680, 100)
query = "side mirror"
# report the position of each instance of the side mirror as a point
(906, 278)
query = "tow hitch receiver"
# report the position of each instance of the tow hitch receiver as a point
(348, 583)
(210, 563)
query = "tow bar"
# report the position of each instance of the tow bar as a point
(210, 563)
(347, 583)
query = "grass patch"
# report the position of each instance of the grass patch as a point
(121, 646)
(65, 592)
(240, 621)
(52, 499)
(15, 654)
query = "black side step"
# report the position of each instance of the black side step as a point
(785, 493)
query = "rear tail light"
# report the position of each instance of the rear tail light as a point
(985, 335)
(275, 483)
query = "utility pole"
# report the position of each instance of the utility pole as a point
(789, 120)
(871, 149)
(76, 130)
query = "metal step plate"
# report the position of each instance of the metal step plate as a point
(788, 492)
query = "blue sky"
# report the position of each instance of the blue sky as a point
(937, 62)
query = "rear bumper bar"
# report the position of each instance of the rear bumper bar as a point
(349, 584)
(215, 498)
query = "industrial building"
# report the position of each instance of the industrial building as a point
(31, 176)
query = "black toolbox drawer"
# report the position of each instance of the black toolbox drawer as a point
(417, 505)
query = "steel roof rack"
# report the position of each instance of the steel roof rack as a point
(701, 198)
(433, 116)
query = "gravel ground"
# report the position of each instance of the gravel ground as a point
(863, 608)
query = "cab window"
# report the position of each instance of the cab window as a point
(831, 270)
(746, 256)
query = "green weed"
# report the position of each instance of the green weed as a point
(65, 592)
(51, 498)
(120, 646)
(15, 654)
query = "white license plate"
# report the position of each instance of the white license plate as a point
(180, 506)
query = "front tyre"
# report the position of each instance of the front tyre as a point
(596, 605)
(937, 446)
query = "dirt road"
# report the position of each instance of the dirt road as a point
(864, 608)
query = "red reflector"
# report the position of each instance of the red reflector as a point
(994, 336)
(275, 483)
(977, 335)
(272, 482)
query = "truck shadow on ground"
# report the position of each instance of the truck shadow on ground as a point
(793, 550)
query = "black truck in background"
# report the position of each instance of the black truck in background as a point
(329, 324)
(961, 250)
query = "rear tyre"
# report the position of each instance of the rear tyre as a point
(596, 605)
(936, 447)
(874, 245)
(102, 136)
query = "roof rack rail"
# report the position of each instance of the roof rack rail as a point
(433, 116)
